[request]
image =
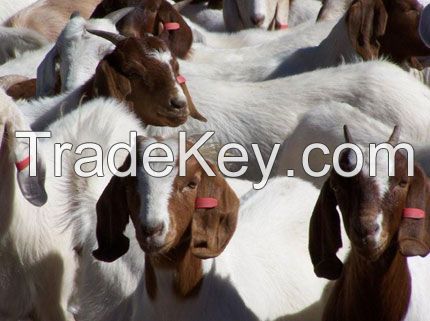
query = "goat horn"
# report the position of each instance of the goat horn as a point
(181, 4)
(112, 37)
(119, 14)
(75, 14)
(395, 136)
(347, 134)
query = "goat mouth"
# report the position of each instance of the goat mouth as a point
(175, 117)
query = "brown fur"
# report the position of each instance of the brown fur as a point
(149, 16)
(194, 234)
(375, 283)
(48, 17)
(132, 75)
(23, 90)
(386, 28)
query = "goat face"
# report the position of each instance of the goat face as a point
(142, 72)
(387, 28)
(372, 209)
(163, 210)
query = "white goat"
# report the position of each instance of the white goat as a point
(37, 268)
(187, 288)
(324, 125)
(308, 48)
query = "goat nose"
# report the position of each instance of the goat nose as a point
(177, 103)
(257, 19)
(149, 231)
(367, 229)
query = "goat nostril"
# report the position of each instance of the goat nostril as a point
(257, 19)
(176, 103)
(149, 231)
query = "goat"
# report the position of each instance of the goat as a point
(322, 125)
(193, 250)
(77, 54)
(140, 72)
(373, 88)
(290, 54)
(161, 19)
(37, 266)
(48, 17)
(384, 217)
(269, 14)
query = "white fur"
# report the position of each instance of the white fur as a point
(267, 112)
(9, 7)
(37, 266)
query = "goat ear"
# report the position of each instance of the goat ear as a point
(193, 109)
(212, 228)
(110, 83)
(23, 90)
(367, 20)
(112, 219)
(47, 78)
(325, 235)
(413, 233)
(179, 40)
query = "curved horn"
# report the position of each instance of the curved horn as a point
(112, 37)
(181, 5)
(347, 134)
(395, 136)
(118, 14)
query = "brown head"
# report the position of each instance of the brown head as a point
(372, 210)
(387, 28)
(161, 19)
(165, 212)
(142, 72)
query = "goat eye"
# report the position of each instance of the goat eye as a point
(403, 183)
(192, 185)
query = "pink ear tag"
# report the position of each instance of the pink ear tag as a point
(415, 213)
(20, 166)
(281, 25)
(181, 79)
(171, 26)
(206, 202)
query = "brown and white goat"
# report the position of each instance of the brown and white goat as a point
(158, 17)
(140, 72)
(195, 257)
(384, 218)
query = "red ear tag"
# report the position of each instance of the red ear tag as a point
(206, 202)
(415, 213)
(281, 25)
(181, 79)
(20, 166)
(171, 26)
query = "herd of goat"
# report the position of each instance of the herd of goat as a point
(274, 76)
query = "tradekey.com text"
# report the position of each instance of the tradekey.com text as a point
(232, 158)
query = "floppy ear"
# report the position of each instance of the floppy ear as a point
(366, 20)
(325, 235)
(413, 232)
(112, 219)
(110, 83)
(23, 90)
(212, 228)
(179, 40)
(32, 187)
(47, 78)
(193, 109)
